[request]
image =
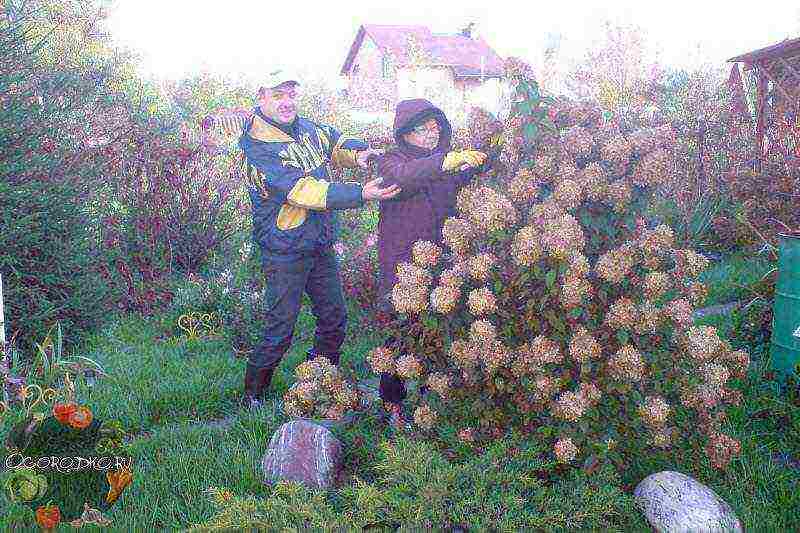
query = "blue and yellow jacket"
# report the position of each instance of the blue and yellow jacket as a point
(292, 199)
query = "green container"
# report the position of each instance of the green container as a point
(786, 308)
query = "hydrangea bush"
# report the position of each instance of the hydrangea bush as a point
(554, 303)
(320, 391)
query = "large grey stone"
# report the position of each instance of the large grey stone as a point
(676, 503)
(303, 451)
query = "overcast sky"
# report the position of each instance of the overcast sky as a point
(233, 37)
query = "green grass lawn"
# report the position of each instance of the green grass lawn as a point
(728, 280)
(166, 392)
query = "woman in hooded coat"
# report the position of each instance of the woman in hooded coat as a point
(429, 174)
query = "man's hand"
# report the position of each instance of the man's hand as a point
(363, 155)
(371, 191)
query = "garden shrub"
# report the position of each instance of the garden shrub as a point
(48, 254)
(509, 488)
(555, 306)
(175, 208)
(49, 263)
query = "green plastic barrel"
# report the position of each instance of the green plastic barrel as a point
(786, 308)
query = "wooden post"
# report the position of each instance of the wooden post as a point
(760, 103)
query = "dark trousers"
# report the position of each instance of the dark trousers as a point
(392, 388)
(318, 276)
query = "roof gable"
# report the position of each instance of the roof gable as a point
(466, 56)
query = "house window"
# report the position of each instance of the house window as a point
(387, 70)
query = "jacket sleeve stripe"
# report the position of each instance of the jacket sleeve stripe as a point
(309, 193)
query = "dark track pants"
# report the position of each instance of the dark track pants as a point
(318, 276)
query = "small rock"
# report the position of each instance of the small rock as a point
(673, 502)
(305, 452)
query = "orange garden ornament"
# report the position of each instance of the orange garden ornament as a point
(48, 516)
(80, 418)
(118, 480)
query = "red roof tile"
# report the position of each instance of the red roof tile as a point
(463, 54)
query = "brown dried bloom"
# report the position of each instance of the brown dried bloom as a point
(681, 312)
(541, 214)
(583, 346)
(523, 362)
(689, 263)
(439, 383)
(573, 292)
(627, 364)
(463, 355)
(409, 298)
(481, 265)
(622, 314)
(409, 367)
(544, 166)
(562, 237)
(451, 278)
(444, 298)
(565, 451)
(457, 234)
(650, 319)
(466, 196)
(594, 182)
(481, 301)
(653, 169)
(703, 343)
(658, 241)
(568, 172)
(494, 355)
(409, 274)
(655, 411)
(523, 187)
(656, 284)
(615, 265)
(619, 194)
(482, 331)
(714, 374)
(721, 449)
(526, 248)
(381, 359)
(426, 253)
(578, 265)
(491, 211)
(546, 351)
(617, 150)
(425, 417)
(569, 406)
(568, 194)
(578, 141)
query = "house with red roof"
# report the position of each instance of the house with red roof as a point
(455, 71)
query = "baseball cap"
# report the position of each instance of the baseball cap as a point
(281, 76)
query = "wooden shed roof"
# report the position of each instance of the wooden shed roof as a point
(785, 48)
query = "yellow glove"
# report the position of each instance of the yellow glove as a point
(455, 160)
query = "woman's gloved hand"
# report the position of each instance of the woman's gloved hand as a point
(459, 160)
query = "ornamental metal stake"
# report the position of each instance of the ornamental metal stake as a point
(4, 361)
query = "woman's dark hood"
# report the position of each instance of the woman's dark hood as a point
(412, 113)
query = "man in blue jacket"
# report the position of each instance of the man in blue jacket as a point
(295, 224)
